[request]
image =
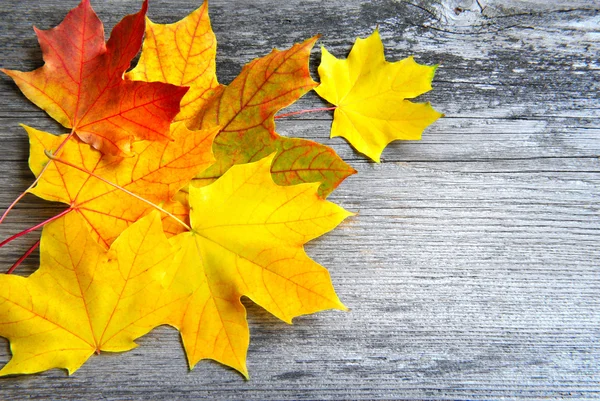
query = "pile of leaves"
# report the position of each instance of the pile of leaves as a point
(182, 198)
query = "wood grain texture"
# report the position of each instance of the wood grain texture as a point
(472, 270)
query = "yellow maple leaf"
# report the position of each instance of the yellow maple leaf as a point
(182, 54)
(84, 300)
(247, 240)
(155, 172)
(370, 94)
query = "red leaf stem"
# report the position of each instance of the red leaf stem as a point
(30, 229)
(305, 111)
(22, 258)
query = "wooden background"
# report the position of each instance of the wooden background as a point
(472, 270)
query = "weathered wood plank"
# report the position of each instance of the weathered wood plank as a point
(472, 270)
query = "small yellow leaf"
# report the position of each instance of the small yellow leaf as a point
(247, 240)
(370, 94)
(84, 300)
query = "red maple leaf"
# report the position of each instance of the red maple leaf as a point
(81, 84)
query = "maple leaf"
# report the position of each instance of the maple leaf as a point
(81, 83)
(370, 94)
(177, 53)
(156, 172)
(245, 109)
(183, 54)
(247, 240)
(84, 300)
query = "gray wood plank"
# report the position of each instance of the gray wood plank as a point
(472, 270)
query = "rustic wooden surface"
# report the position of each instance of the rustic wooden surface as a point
(472, 270)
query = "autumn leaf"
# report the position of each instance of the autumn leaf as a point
(183, 54)
(84, 300)
(156, 172)
(370, 94)
(81, 83)
(247, 240)
(176, 53)
(245, 109)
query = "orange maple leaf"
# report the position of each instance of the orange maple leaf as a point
(246, 109)
(81, 84)
(183, 53)
(156, 172)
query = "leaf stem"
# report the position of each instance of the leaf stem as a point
(294, 113)
(30, 229)
(37, 179)
(59, 160)
(22, 258)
